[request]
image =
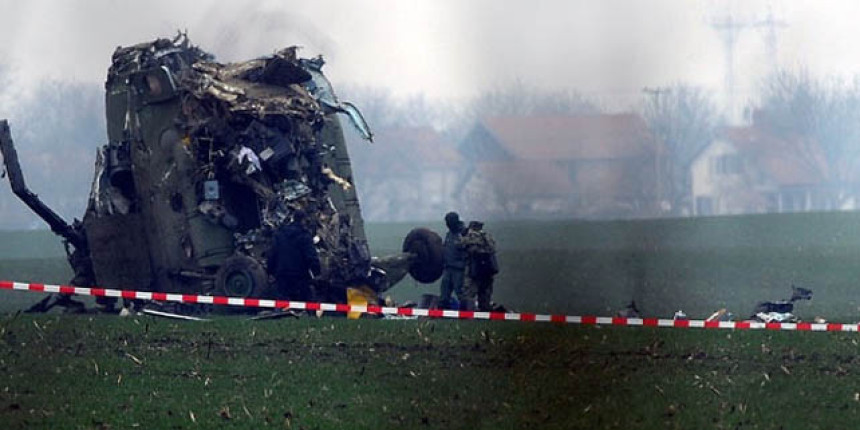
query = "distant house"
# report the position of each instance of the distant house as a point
(530, 188)
(747, 170)
(593, 165)
(406, 174)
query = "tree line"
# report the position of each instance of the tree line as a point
(58, 127)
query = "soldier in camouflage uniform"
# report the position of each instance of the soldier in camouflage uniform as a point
(455, 260)
(481, 267)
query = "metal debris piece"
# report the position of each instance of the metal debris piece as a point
(162, 314)
(275, 314)
(247, 155)
(204, 162)
(781, 317)
(321, 88)
(721, 315)
(631, 311)
(293, 190)
(336, 179)
(781, 310)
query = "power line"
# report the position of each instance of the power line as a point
(729, 28)
(769, 26)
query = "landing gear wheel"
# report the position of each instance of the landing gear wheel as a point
(240, 276)
(427, 265)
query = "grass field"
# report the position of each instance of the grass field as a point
(78, 371)
(101, 372)
(696, 265)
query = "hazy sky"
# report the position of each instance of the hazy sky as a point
(447, 49)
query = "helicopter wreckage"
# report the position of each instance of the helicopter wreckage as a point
(204, 162)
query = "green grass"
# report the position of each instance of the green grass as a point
(30, 244)
(78, 371)
(576, 267)
(38, 270)
(90, 371)
(697, 265)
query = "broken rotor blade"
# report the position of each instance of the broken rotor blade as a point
(357, 120)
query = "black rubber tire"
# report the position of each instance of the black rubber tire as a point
(427, 265)
(241, 276)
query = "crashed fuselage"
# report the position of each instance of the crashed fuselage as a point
(205, 160)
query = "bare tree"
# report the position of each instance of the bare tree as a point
(518, 98)
(791, 104)
(821, 119)
(418, 111)
(376, 104)
(384, 111)
(684, 119)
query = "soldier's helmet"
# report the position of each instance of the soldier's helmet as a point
(452, 220)
(476, 225)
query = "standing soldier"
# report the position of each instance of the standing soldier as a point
(293, 259)
(482, 267)
(454, 260)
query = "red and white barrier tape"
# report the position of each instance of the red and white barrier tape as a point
(432, 313)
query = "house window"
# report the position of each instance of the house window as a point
(771, 202)
(704, 205)
(727, 164)
(793, 201)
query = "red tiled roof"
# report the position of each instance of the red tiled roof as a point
(592, 136)
(788, 162)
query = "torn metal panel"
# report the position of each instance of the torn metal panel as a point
(321, 88)
(172, 316)
(248, 148)
(205, 160)
(357, 120)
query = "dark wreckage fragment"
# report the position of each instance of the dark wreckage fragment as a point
(204, 161)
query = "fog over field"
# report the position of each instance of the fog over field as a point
(448, 49)
(689, 69)
(688, 155)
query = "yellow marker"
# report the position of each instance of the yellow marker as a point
(360, 296)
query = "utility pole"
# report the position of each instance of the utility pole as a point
(769, 27)
(664, 205)
(729, 28)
